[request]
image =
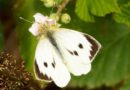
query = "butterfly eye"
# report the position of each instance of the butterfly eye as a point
(80, 46)
(45, 64)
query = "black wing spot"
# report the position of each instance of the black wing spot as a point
(76, 53)
(45, 64)
(80, 46)
(40, 75)
(73, 53)
(70, 52)
(53, 64)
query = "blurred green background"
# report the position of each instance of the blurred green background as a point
(106, 20)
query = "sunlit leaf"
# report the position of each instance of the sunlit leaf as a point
(86, 9)
(82, 10)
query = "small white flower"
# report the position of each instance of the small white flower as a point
(34, 29)
(39, 18)
(41, 23)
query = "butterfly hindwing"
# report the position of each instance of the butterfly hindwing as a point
(48, 64)
(78, 50)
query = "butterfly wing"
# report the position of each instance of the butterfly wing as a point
(48, 65)
(78, 50)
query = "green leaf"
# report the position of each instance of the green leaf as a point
(82, 10)
(124, 15)
(86, 9)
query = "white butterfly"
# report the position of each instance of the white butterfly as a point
(61, 51)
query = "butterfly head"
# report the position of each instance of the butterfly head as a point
(42, 25)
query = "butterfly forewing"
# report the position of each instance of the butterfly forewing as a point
(78, 50)
(48, 64)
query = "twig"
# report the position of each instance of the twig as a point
(62, 6)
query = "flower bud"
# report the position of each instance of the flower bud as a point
(54, 16)
(49, 3)
(65, 18)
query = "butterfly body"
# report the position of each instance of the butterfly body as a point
(62, 52)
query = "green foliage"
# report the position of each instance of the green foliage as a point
(86, 9)
(27, 41)
(124, 15)
(111, 65)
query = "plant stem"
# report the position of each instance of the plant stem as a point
(62, 6)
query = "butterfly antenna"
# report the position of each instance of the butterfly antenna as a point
(25, 19)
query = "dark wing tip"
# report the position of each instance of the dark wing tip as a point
(39, 75)
(95, 45)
